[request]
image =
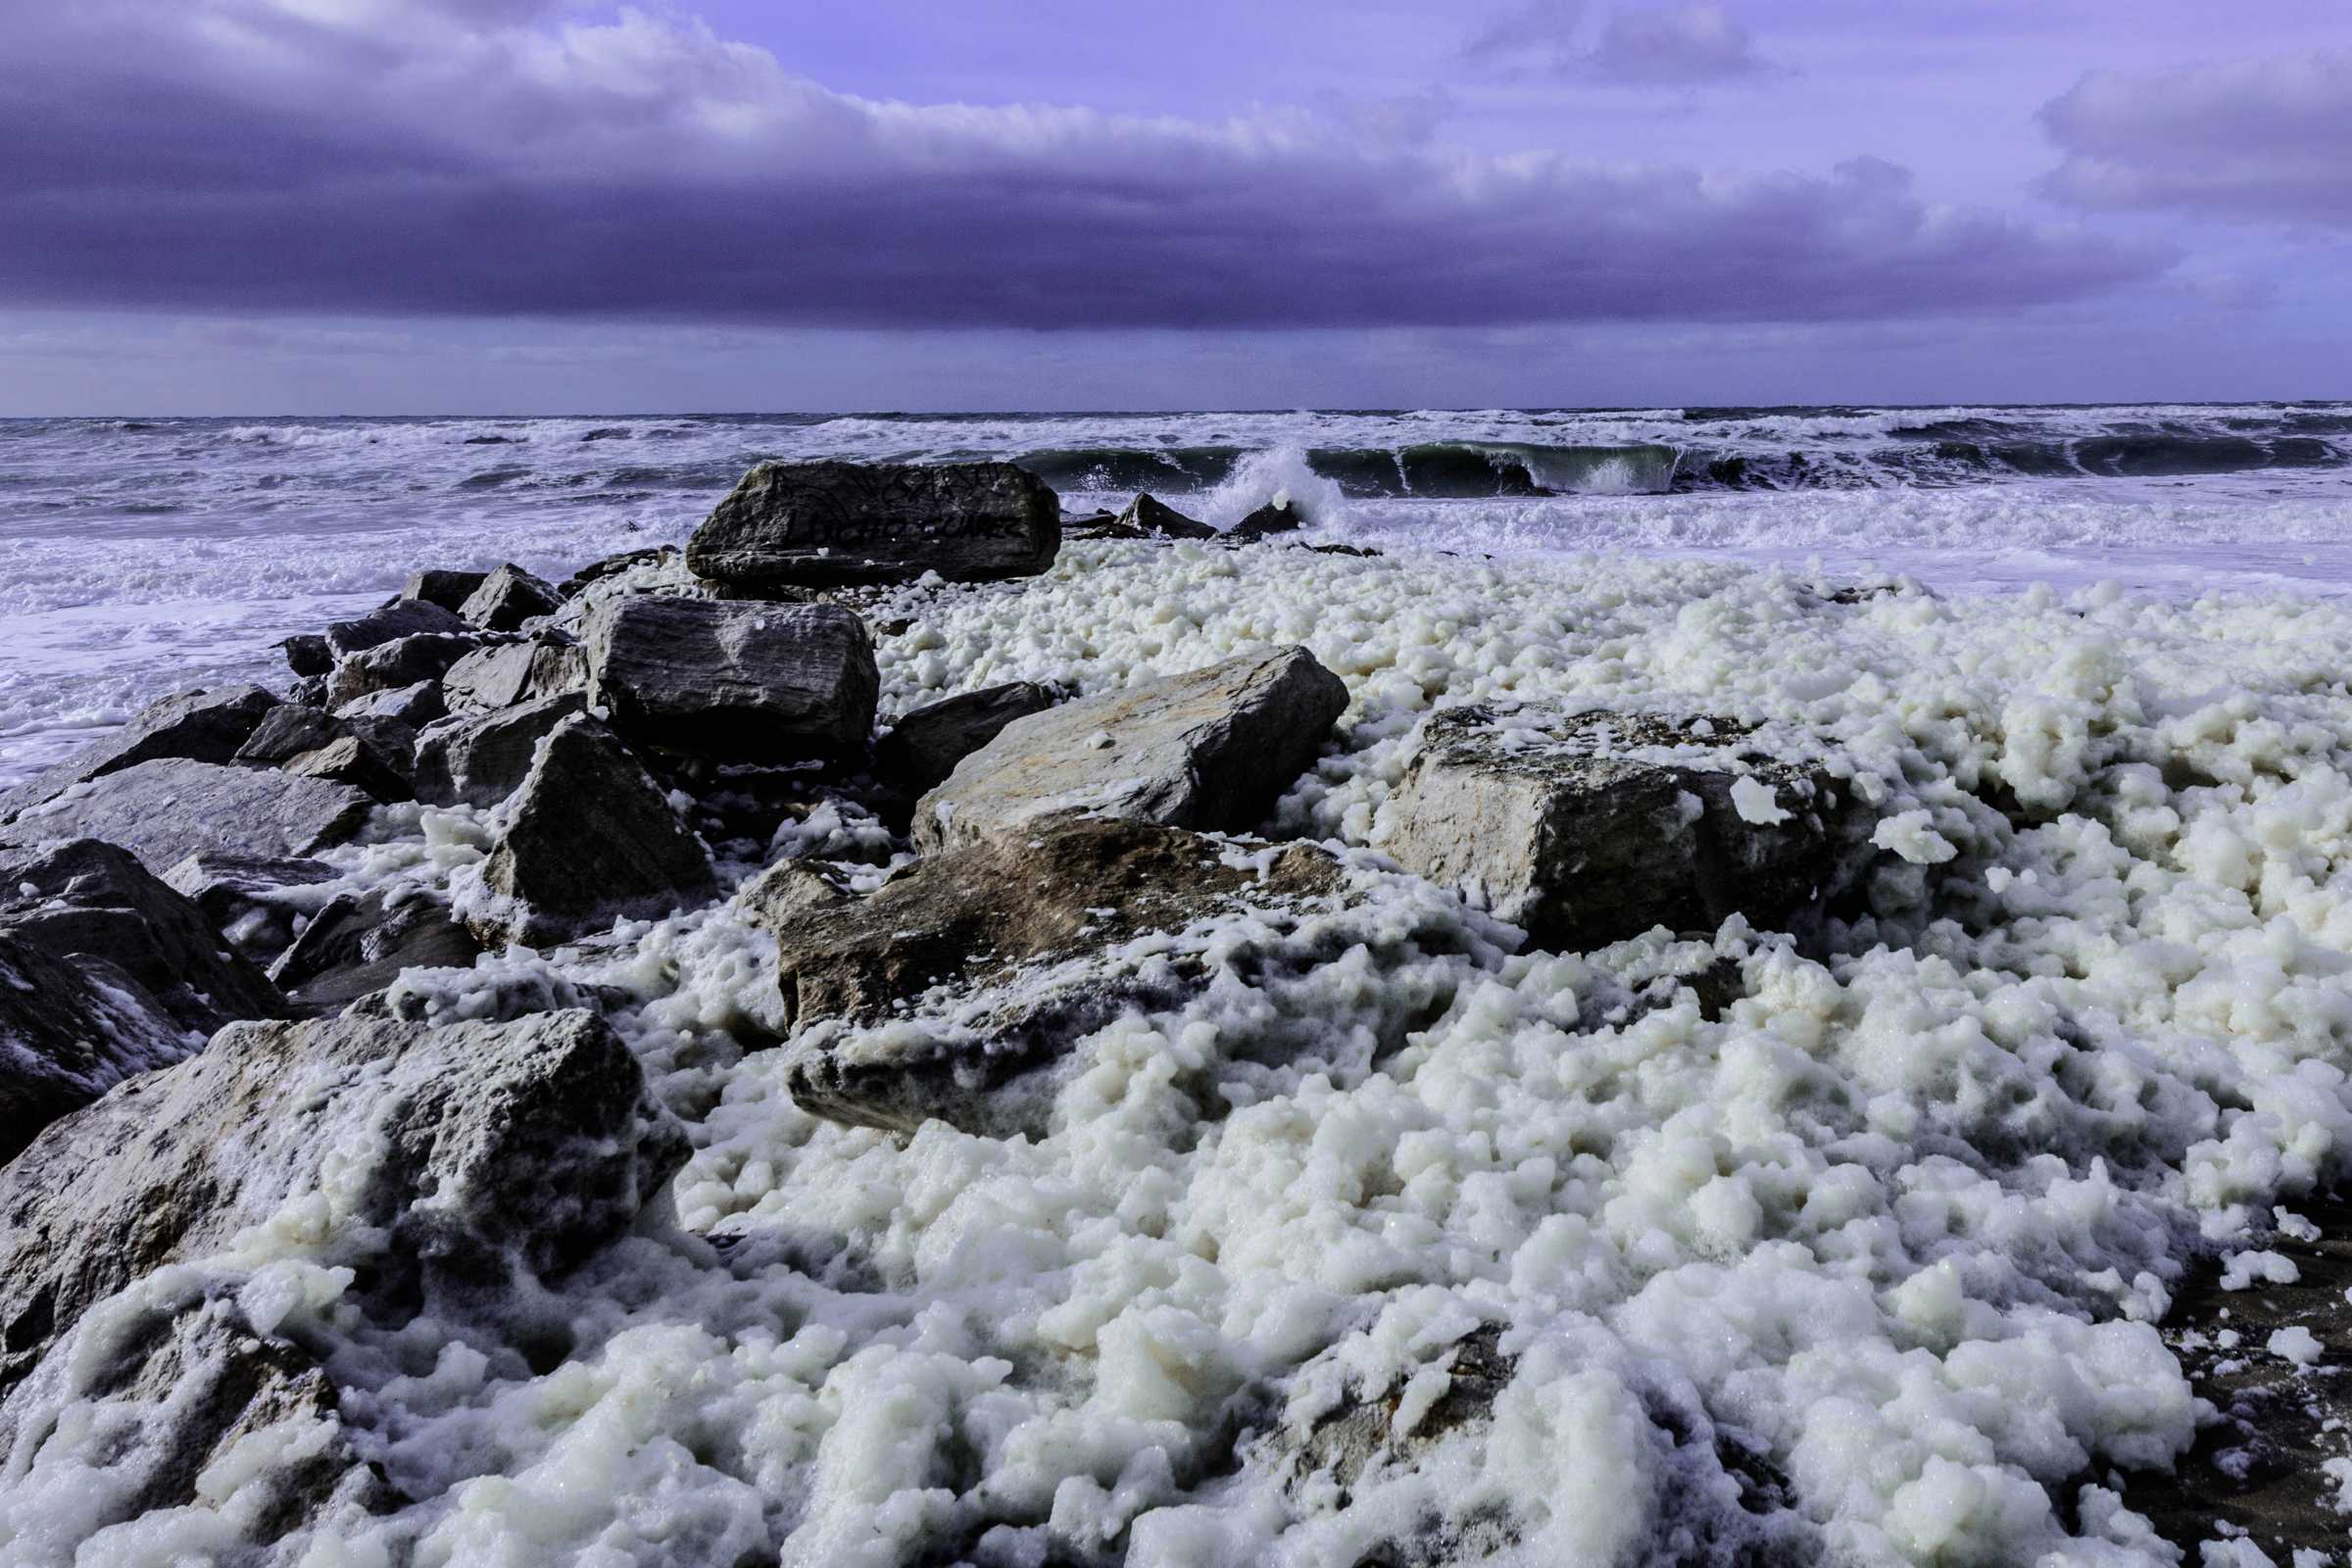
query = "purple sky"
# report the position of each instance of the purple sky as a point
(352, 206)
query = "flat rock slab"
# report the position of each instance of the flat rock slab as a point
(736, 680)
(535, 1142)
(164, 811)
(85, 899)
(69, 1032)
(924, 746)
(592, 839)
(205, 725)
(1213, 749)
(830, 524)
(1589, 827)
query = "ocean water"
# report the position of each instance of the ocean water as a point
(138, 556)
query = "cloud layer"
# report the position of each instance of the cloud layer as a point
(372, 156)
(2266, 138)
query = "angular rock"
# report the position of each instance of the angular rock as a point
(924, 747)
(205, 725)
(544, 664)
(509, 596)
(401, 663)
(825, 524)
(1153, 518)
(360, 944)
(357, 761)
(89, 900)
(1278, 515)
(164, 811)
(402, 617)
(1211, 749)
(253, 901)
(729, 679)
(535, 1143)
(613, 566)
(448, 589)
(306, 654)
(288, 731)
(1589, 827)
(413, 705)
(69, 1032)
(310, 691)
(1050, 909)
(592, 839)
(480, 759)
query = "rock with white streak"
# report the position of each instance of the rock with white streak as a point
(1210, 749)
(732, 679)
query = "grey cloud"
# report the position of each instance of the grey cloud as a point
(1624, 46)
(647, 168)
(2262, 139)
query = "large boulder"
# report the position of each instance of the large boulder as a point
(828, 524)
(924, 746)
(478, 759)
(205, 725)
(402, 617)
(69, 1032)
(460, 1159)
(509, 596)
(90, 899)
(361, 943)
(545, 664)
(592, 839)
(1589, 827)
(1012, 951)
(1210, 749)
(733, 679)
(164, 811)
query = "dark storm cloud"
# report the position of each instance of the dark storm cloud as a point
(361, 156)
(2266, 138)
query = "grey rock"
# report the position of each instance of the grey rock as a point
(1006, 943)
(288, 731)
(1274, 518)
(448, 589)
(534, 1142)
(398, 664)
(402, 617)
(374, 755)
(1211, 749)
(164, 811)
(253, 900)
(1153, 518)
(924, 747)
(736, 680)
(480, 759)
(205, 725)
(1589, 827)
(824, 524)
(509, 596)
(544, 664)
(592, 839)
(306, 654)
(360, 944)
(415, 705)
(613, 566)
(69, 1032)
(310, 691)
(90, 899)
(354, 761)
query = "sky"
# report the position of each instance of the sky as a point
(315, 207)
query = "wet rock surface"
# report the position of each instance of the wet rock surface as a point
(592, 838)
(1148, 517)
(824, 525)
(85, 899)
(1589, 827)
(1211, 749)
(253, 900)
(1276, 517)
(924, 746)
(205, 725)
(360, 944)
(164, 811)
(69, 1032)
(745, 680)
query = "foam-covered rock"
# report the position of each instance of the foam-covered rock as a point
(207, 724)
(1209, 749)
(164, 811)
(733, 679)
(825, 524)
(1587, 827)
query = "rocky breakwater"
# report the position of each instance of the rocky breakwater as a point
(210, 1249)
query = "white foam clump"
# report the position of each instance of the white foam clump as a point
(1897, 1220)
